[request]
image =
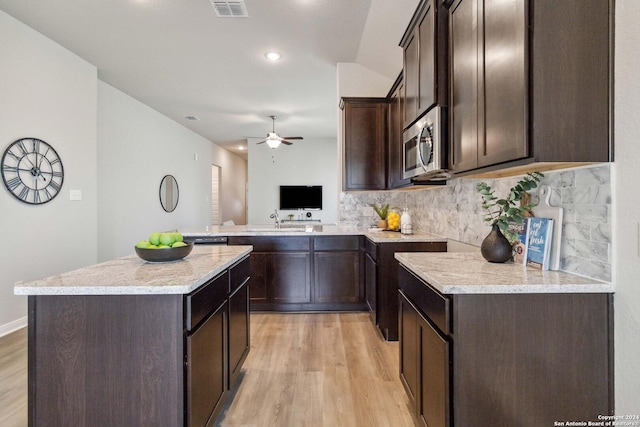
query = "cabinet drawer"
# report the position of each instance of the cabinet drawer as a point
(432, 304)
(206, 299)
(336, 243)
(272, 243)
(238, 274)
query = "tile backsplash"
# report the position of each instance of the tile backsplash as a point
(454, 211)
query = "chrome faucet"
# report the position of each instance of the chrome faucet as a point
(275, 217)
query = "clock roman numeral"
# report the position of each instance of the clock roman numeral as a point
(36, 145)
(24, 193)
(22, 148)
(13, 169)
(14, 183)
(13, 155)
(55, 186)
(54, 161)
(56, 174)
(36, 196)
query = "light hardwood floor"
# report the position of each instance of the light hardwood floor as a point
(13, 379)
(329, 369)
(315, 370)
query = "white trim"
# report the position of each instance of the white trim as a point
(7, 328)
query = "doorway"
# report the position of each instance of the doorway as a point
(215, 195)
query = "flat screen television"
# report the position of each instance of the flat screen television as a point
(294, 197)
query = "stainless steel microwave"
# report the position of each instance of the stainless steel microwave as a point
(424, 151)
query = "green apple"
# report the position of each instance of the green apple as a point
(178, 244)
(154, 238)
(142, 244)
(178, 237)
(152, 247)
(163, 246)
(167, 239)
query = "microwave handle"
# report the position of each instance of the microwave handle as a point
(429, 129)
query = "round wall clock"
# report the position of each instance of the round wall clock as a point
(32, 171)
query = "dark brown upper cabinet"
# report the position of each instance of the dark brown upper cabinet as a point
(530, 83)
(425, 60)
(364, 122)
(395, 150)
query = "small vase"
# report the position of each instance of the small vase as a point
(382, 224)
(495, 247)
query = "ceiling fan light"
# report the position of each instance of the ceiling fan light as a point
(273, 142)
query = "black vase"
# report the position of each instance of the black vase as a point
(495, 247)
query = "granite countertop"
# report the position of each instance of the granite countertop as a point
(310, 230)
(132, 275)
(469, 273)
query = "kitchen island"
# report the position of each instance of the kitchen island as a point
(503, 344)
(132, 343)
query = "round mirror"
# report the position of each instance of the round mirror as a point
(169, 193)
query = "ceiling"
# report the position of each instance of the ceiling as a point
(180, 58)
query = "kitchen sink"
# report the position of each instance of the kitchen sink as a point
(288, 228)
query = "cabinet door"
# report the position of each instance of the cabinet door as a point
(238, 330)
(395, 150)
(427, 58)
(337, 277)
(258, 285)
(463, 103)
(365, 141)
(411, 88)
(206, 366)
(370, 274)
(289, 277)
(409, 350)
(433, 399)
(503, 82)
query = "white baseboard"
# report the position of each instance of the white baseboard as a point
(7, 328)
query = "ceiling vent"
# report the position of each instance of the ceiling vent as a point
(230, 9)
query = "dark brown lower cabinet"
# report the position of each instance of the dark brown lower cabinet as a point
(137, 360)
(206, 373)
(525, 360)
(305, 273)
(386, 280)
(338, 270)
(239, 341)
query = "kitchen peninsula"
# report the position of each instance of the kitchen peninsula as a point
(127, 342)
(307, 267)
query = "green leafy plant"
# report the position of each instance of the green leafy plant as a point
(502, 211)
(382, 210)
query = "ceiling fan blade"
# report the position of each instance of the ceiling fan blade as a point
(292, 137)
(261, 142)
(285, 142)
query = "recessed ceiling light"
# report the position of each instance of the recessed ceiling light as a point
(273, 56)
(241, 148)
(192, 118)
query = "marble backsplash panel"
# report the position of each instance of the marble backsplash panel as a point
(454, 211)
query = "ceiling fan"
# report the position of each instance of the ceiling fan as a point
(273, 140)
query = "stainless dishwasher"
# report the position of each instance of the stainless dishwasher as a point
(209, 240)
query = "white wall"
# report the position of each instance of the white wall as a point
(233, 184)
(307, 162)
(627, 215)
(49, 93)
(137, 147)
(114, 149)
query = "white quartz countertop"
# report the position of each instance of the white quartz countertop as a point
(132, 275)
(469, 273)
(309, 230)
